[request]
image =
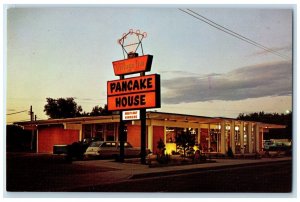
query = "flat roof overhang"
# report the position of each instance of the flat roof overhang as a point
(271, 126)
(181, 117)
(77, 120)
(150, 115)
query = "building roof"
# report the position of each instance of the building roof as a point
(150, 115)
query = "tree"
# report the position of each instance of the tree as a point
(98, 111)
(186, 140)
(161, 157)
(62, 108)
(68, 108)
(161, 147)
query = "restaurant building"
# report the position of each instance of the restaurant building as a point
(212, 134)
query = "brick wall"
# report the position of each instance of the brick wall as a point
(55, 135)
(134, 135)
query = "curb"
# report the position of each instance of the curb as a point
(194, 170)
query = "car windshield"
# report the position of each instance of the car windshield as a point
(96, 144)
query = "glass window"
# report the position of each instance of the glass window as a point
(99, 131)
(194, 131)
(237, 139)
(215, 135)
(110, 127)
(170, 134)
(87, 131)
(110, 132)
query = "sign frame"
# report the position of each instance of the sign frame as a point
(133, 65)
(153, 95)
(130, 84)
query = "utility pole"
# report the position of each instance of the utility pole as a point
(31, 113)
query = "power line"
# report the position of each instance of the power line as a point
(261, 46)
(17, 112)
(232, 33)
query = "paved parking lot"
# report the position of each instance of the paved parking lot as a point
(48, 173)
(36, 172)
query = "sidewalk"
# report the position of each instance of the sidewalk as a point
(129, 171)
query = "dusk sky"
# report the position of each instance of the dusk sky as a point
(55, 51)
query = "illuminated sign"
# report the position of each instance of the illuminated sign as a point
(131, 115)
(133, 85)
(134, 93)
(133, 65)
(133, 101)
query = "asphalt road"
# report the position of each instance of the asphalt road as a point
(275, 178)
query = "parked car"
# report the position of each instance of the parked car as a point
(112, 149)
(74, 151)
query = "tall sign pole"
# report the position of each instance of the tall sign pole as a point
(143, 133)
(134, 93)
(121, 133)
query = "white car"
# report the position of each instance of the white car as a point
(111, 149)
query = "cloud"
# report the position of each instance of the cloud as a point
(262, 80)
(181, 73)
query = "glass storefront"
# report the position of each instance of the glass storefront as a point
(237, 139)
(172, 132)
(110, 132)
(246, 147)
(87, 131)
(209, 140)
(215, 140)
(227, 137)
(170, 135)
(101, 132)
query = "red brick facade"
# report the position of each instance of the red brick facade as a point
(134, 135)
(55, 135)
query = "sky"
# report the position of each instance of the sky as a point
(67, 51)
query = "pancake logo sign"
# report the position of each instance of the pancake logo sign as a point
(133, 93)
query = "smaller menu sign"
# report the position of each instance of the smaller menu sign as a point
(131, 115)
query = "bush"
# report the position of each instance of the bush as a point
(198, 157)
(76, 150)
(163, 159)
(230, 153)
